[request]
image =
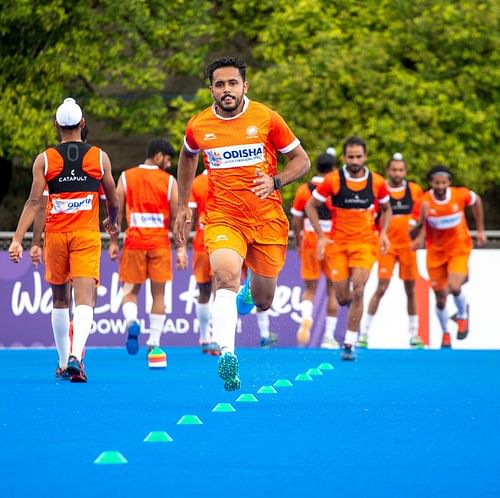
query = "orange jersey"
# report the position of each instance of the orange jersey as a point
(198, 200)
(353, 200)
(402, 201)
(233, 150)
(446, 226)
(303, 194)
(147, 199)
(73, 171)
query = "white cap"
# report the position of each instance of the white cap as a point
(397, 156)
(331, 151)
(68, 113)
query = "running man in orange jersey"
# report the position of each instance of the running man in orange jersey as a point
(201, 265)
(148, 194)
(350, 247)
(449, 244)
(307, 245)
(403, 196)
(240, 140)
(73, 171)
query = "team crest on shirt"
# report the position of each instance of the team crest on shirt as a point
(455, 207)
(214, 158)
(252, 131)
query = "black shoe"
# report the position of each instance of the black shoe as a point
(61, 373)
(76, 370)
(348, 353)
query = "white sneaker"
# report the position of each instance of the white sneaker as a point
(304, 332)
(329, 343)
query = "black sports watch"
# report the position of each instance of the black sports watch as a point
(277, 183)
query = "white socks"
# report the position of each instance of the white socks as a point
(351, 338)
(82, 323)
(224, 319)
(156, 323)
(331, 323)
(204, 313)
(60, 328)
(263, 323)
(461, 304)
(366, 323)
(413, 325)
(443, 318)
(129, 310)
(306, 308)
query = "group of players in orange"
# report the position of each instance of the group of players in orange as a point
(344, 220)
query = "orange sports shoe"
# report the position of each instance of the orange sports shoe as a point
(463, 328)
(446, 341)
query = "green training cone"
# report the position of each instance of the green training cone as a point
(158, 437)
(223, 407)
(189, 420)
(283, 383)
(267, 390)
(303, 377)
(246, 398)
(110, 458)
(314, 371)
(326, 366)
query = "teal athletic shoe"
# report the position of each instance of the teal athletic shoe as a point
(363, 341)
(267, 342)
(228, 371)
(132, 344)
(244, 301)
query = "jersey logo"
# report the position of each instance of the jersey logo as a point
(70, 206)
(252, 131)
(210, 136)
(235, 156)
(147, 220)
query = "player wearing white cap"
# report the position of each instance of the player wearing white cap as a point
(73, 171)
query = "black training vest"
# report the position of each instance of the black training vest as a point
(72, 178)
(351, 199)
(404, 205)
(323, 212)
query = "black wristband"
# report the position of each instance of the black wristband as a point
(277, 183)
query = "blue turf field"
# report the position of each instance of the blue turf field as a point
(393, 424)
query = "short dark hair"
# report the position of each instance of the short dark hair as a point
(354, 141)
(227, 61)
(325, 163)
(159, 145)
(439, 169)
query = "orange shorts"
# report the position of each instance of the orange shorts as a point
(407, 259)
(311, 266)
(440, 264)
(257, 245)
(136, 265)
(341, 257)
(201, 267)
(71, 254)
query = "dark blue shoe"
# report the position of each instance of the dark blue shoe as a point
(348, 353)
(267, 342)
(227, 370)
(244, 301)
(62, 373)
(132, 344)
(75, 370)
(211, 348)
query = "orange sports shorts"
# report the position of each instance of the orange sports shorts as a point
(201, 267)
(68, 255)
(440, 264)
(311, 266)
(136, 265)
(407, 259)
(256, 244)
(340, 257)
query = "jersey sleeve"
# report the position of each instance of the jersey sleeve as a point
(329, 186)
(300, 200)
(281, 135)
(380, 189)
(469, 197)
(189, 139)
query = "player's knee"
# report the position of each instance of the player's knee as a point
(226, 279)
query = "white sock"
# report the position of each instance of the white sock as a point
(306, 308)
(156, 323)
(82, 323)
(60, 328)
(366, 323)
(413, 325)
(204, 313)
(351, 338)
(331, 323)
(224, 319)
(129, 310)
(263, 323)
(461, 304)
(443, 318)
